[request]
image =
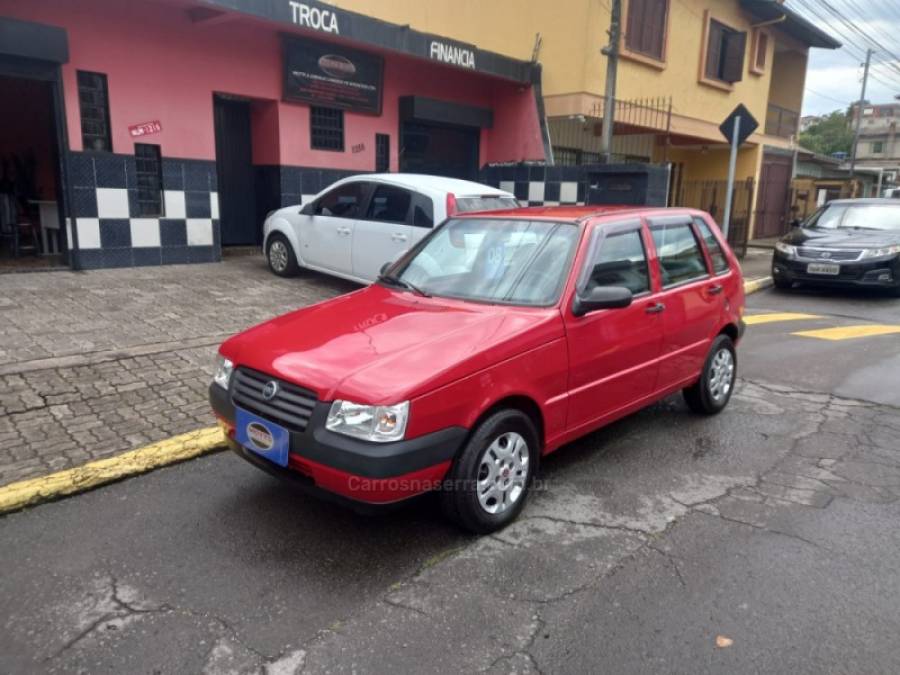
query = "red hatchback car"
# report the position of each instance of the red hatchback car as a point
(499, 338)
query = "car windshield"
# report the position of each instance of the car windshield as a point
(857, 217)
(515, 262)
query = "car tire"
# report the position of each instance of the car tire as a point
(490, 479)
(710, 394)
(895, 291)
(280, 256)
(781, 283)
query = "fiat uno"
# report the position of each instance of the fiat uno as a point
(497, 339)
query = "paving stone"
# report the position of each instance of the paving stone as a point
(53, 418)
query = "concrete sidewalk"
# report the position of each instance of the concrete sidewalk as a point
(94, 364)
(757, 264)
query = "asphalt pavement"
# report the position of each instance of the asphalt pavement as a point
(760, 540)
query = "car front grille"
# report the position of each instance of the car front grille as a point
(291, 406)
(838, 255)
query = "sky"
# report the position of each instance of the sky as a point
(834, 78)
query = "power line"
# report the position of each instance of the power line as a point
(830, 98)
(868, 39)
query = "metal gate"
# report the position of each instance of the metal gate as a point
(234, 166)
(709, 196)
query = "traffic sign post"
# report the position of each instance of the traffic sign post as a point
(736, 129)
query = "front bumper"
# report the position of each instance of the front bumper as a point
(361, 471)
(872, 273)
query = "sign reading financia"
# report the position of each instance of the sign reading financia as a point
(321, 73)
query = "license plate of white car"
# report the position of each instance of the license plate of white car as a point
(822, 268)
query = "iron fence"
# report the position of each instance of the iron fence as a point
(709, 196)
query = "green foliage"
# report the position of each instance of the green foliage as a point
(832, 134)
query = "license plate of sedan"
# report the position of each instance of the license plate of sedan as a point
(262, 437)
(823, 268)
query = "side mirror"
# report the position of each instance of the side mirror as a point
(601, 297)
(385, 267)
(307, 209)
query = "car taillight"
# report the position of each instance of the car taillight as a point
(451, 204)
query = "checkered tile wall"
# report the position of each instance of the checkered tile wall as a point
(538, 185)
(111, 234)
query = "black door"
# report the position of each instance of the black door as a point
(234, 165)
(439, 150)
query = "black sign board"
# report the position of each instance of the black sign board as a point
(748, 125)
(332, 76)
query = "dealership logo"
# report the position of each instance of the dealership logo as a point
(337, 66)
(452, 54)
(260, 437)
(270, 390)
(312, 17)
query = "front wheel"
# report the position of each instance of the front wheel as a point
(491, 477)
(280, 256)
(711, 393)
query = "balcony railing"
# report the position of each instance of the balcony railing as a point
(781, 121)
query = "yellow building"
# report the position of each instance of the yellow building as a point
(685, 65)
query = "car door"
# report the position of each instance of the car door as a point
(326, 233)
(384, 231)
(691, 297)
(613, 353)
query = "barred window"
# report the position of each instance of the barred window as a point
(326, 129)
(149, 180)
(93, 102)
(382, 153)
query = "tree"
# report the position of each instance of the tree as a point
(831, 134)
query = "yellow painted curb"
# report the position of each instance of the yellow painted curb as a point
(93, 474)
(757, 285)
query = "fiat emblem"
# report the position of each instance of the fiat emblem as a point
(270, 390)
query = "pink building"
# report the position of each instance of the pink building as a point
(159, 131)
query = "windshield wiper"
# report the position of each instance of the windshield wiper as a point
(396, 281)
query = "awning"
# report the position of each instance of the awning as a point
(794, 24)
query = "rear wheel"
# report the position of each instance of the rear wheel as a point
(280, 255)
(491, 477)
(711, 393)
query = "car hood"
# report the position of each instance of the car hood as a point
(378, 345)
(841, 238)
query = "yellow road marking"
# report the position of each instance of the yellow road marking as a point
(93, 474)
(849, 332)
(755, 319)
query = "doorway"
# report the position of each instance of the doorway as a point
(774, 193)
(31, 194)
(439, 150)
(234, 167)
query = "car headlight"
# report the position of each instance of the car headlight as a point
(880, 252)
(787, 249)
(222, 373)
(380, 423)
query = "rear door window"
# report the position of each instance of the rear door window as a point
(389, 204)
(485, 203)
(423, 211)
(680, 257)
(719, 261)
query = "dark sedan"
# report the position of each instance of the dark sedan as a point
(849, 242)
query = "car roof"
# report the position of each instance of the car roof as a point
(578, 214)
(862, 202)
(426, 182)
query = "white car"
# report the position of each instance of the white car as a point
(360, 223)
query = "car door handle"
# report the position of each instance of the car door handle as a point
(398, 237)
(655, 309)
(715, 290)
(343, 230)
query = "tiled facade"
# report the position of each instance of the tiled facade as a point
(110, 233)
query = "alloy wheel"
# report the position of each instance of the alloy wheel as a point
(721, 375)
(502, 473)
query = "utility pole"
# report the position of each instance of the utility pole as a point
(859, 113)
(611, 52)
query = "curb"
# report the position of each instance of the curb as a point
(88, 476)
(755, 285)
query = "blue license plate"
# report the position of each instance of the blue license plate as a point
(262, 437)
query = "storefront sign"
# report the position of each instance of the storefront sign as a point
(314, 17)
(452, 54)
(145, 129)
(336, 77)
